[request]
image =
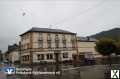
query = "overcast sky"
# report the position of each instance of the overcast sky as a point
(85, 17)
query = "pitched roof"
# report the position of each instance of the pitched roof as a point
(13, 47)
(48, 30)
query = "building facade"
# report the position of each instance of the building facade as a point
(12, 54)
(47, 45)
(86, 47)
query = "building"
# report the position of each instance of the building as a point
(86, 47)
(47, 45)
(12, 54)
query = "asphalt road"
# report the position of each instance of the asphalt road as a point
(70, 72)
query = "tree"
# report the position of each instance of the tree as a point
(117, 51)
(105, 47)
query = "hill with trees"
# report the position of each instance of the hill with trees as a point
(112, 34)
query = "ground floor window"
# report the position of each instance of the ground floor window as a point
(49, 56)
(65, 55)
(26, 58)
(40, 56)
(88, 55)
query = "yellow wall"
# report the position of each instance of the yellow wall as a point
(87, 47)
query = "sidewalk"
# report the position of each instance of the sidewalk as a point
(2, 75)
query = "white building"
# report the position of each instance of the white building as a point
(46, 45)
(12, 54)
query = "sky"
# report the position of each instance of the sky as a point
(84, 17)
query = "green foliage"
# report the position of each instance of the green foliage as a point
(105, 46)
(110, 34)
(117, 52)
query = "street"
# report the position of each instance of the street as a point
(83, 72)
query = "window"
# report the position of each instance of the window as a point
(28, 57)
(28, 45)
(40, 44)
(63, 37)
(40, 56)
(22, 58)
(49, 56)
(27, 36)
(40, 41)
(22, 38)
(25, 58)
(49, 44)
(65, 55)
(56, 37)
(56, 41)
(57, 44)
(73, 43)
(88, 55)
(40, 36)
(21, 47)
(64, 44)
(49, 37)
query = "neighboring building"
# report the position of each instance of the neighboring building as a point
(86, 47)
(46, 45)
(12, 55)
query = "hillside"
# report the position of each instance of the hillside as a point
(112, 34)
